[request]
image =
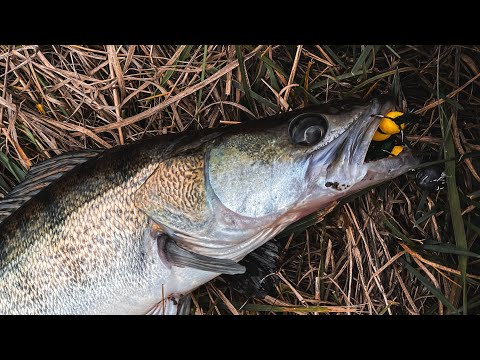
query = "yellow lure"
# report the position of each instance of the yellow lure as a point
(388, 127)
(397, 149)
(378, 136)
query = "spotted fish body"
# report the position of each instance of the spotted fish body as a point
(146, 223)
(81, 240)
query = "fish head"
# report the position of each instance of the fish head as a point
(248, 182)
(300, 161)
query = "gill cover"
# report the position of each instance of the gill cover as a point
(174, 197)
(256, 175)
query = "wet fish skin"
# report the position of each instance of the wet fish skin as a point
(56, 252)
(88, 243)
(81, 245)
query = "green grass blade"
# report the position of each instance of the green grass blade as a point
(470, 154)
(454, 201)
(473, 305)
(453, 103)
(393, 51)
(273, 78)
(474, 194)
(301, 90)
(450, 249)
(241, 66)
(469, 201)
(168, 74)
(429, 286)
(345, 76)
(422, 203)
(273, 65)
(378, 77)
(30, 136)
(255, 96)
(473, 227)
(14, 169)
(271, 68)
(361, 61)
(334, 56)
(202, 76)
(425, 217)
(397, 232)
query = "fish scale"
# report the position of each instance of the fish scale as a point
(81, 245)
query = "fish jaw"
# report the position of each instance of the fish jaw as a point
(257, 183)
(340, 169)
(239, 167)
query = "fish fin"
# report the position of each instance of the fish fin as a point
(260, 277)
(40, 176)
(181, 257)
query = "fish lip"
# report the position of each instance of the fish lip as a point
(346, 154)
(392, 164)
(362, 131)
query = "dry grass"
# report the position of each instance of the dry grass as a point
(392, 250)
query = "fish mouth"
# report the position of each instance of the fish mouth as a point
(360, 139)
(349, 151)
(361, 132)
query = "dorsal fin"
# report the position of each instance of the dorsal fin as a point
(40, 176)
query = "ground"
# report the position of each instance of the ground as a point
(395, 249)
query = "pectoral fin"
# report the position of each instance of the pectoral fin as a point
(181, 257)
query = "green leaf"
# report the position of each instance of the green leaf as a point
(422, 202)
(360, 63)
(273, 65)
(470, 154)
(473, 227)
(450, 249)
(474, 194)
(272, 78)
(30, 136)
(202, 76)
(425, 217)
(335, 79)
(435, 292)
(311, 98)
(14, 169)
(168, 74)
(453, 103)
(454, 200)
(241, 66)
(397, 232)
(334, 56)
(255, 96)
(378, 77)
(393, 51)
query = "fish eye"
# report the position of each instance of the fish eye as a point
(307, 129)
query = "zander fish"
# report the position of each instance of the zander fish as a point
(132, 229)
